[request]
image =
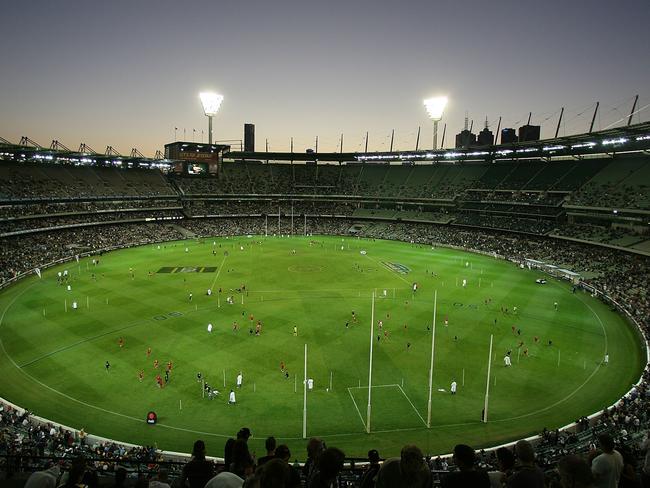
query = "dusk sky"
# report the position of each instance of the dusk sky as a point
(127, 73)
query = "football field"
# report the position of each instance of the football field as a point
(53, 356)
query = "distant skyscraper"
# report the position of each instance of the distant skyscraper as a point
(529, 133)
(485, 137)
(249, 137)
(465, 138)
(508, 136)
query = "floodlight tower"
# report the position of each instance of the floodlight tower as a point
(211, 103)
(435, 107)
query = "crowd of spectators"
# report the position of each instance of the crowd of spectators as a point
(624, 277)
(49, 222)
(268, 207)
(608, 458)
(527, 224)
(23, 253)
(531, 198)
(39, 182)
(15, 209)
(517, 209)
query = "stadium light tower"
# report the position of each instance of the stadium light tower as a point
(435, 107)
(211, 103)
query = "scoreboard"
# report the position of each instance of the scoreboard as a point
(196, 159)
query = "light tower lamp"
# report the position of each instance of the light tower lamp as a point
(211, 103)
(435, 107)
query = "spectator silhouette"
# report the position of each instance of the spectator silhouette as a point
(314, 448)
(199, 470)
(369, 478)
(244, 433)
(526, 473)
(407, 471)
(574, 472)
(608, 465)
(329, 465)
(506, 463)
(283, 453)
(270, 451)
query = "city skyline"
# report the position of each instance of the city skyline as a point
(127, 74)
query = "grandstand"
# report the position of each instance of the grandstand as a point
(582, 203)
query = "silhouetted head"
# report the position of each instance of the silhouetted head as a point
(525, 452)
(464, 456)
(199, 449)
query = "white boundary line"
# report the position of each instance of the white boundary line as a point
(357, 407)
(394, 385)
(409, 400)
(374, 386)
(218, 272)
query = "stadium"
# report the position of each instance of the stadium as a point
(324, 245)
(536, 251)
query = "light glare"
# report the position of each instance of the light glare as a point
(211, 102)
(435, 107)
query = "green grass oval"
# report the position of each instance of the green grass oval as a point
(52, 358)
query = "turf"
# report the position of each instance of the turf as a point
(52, 359)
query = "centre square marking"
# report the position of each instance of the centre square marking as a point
(187, 269)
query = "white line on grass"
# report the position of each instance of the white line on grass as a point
(357, 407)
(409, 400)
(562, 400)
(218, 272)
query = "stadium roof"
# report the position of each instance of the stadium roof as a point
(631, 138)
(29, 150)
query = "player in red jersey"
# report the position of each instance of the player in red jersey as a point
(169, 365)
(282, 366)
(159, 381)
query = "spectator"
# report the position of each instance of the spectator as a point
(407, 471)
(225, 479)
(574, 472)
(629, 477)
(465, 459)
(314, 448)
(244, 433)
(283, 453)
(160, 481)
(75, 475)
(44, 479)
(607, 466)
(270, 451)
(506, 463)
(199, 470)
(242, 463)
(369, 478)
(526, 473)
(645, 471)
(330, 464)
(275, 473)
